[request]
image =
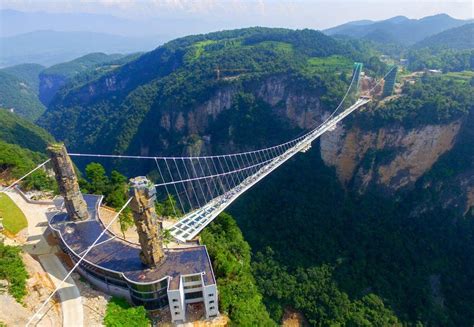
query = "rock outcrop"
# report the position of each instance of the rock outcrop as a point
(148, 228)
(67, 181)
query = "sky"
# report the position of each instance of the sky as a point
(220, 14)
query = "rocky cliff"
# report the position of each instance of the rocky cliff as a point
(49, 86)
(391, 157)
(195, 128)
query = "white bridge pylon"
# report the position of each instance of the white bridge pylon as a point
(194, 222)
(200, 188)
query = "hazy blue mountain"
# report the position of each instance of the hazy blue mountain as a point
(459, 38)
(164, 26)
(341, 29)
(397, 29)
(52, 47)
(15, 22)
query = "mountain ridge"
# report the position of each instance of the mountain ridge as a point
(401, 29)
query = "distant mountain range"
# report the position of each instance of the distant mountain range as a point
(458, 38)
(15, 22)
(52, 47)
(399, 29)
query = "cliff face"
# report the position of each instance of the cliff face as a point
(298, 109)
(49, 86)
(390, 158)
(394, 159)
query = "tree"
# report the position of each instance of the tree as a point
(168, 208)
(125, 220)
(166, 237)
(13, 270)
(98, 181)
(230, 254)
(120, 314)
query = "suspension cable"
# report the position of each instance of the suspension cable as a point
(24, 176)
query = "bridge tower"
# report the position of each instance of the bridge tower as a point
(389, 84)
(66, 178)
(143, 194)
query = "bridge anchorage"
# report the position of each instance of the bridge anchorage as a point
(203, 186)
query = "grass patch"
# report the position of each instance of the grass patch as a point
(13, 218)
(283, 47)
(328, 64)
(199, 48)
(464, 75)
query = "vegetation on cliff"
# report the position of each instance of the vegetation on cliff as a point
(314, 292)
(361, 244)
(19, 95)
(230, 254)
(26, 72)
(431, 100)
(120, 314)
(23, 133)
(22, 147)
(13, 270)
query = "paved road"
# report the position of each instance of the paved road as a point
(70, 298)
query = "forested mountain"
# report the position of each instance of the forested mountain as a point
(82, 68)
(22, 147)
(180, 88)
(399, 29)
(373, 226)
(458, 38)
(16, 130)
(20, 94)
(26, 72)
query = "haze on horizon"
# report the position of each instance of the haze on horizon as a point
(211, 15)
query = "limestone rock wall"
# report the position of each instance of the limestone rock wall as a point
(390, 158)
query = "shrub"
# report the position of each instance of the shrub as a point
(120, 314)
